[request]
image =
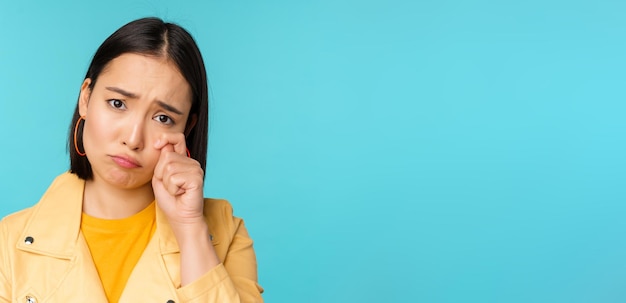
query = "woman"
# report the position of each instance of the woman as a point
(129, 223)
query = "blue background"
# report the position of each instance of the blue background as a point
(379, 151)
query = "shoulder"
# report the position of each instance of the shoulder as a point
(16, 222)
(217, 207)
(219, 211)
(12, 228)
(64, 190)
(220, 218)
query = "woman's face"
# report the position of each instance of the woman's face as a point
(136, 100)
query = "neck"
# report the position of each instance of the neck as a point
(101, 200)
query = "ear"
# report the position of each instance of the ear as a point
(193, 119)
(83, 98)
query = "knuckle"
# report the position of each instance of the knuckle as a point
(169, 167)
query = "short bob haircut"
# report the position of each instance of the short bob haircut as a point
(154, 37)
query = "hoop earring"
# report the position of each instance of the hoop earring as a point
(76, 131)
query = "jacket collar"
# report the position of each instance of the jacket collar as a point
(167, 239)
(55, 221)
(54, 225)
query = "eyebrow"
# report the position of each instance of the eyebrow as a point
(128, 94)
(169, 107)
(122, 92)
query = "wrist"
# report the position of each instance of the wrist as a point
(197, 254)
(191, 233)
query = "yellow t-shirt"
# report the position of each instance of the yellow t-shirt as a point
(117, 245)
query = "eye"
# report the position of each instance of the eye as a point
(118, 104)
(164, 119)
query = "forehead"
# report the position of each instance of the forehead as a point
(148, 77)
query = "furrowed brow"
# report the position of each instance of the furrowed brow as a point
(169, 107)
(122, 92)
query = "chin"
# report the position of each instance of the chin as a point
(127, 180)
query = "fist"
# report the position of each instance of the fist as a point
(178, 181)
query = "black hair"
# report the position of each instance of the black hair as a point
(154, 37)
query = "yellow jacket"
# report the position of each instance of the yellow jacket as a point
(44, 257)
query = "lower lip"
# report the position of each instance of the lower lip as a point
(124, 163)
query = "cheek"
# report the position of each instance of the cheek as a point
(96, 131)
(150, 153)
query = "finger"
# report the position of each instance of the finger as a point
(175, 185)
(170, 163)
(164, 159)
(177, 140)
(178, 177)
(169, 148)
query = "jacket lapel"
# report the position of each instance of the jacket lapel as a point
(55, 223)
(54, 232)
(158, 265)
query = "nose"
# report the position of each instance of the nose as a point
(134, 136)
